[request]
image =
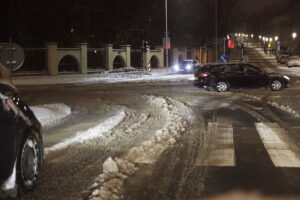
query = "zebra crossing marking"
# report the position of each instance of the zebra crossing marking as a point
(281, 150)
(219, 150)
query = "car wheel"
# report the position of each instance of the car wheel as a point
(276, 85)
(28, 163)
(222, 86)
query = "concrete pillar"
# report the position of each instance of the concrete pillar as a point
(52, 57)
(175, 56)
(127, 48)
(147, 57)
(108, 56)
(4, 73)
(160, 56)
(83, 58)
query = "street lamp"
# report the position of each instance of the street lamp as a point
(276, 38)
(294, 35)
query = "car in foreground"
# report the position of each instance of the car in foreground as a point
(293, 61)
(223, 76)
(21, 144)
(187, 66)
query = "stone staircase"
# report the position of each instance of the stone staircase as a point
(255, 53)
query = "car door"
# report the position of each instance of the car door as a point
(253, 76)
(8, 141)
(234, 75)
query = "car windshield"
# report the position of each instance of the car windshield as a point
(187, 62)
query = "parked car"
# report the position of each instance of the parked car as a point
(282, 59)
(21, 144)
(223, 76)
(187, 66)
(293, 61)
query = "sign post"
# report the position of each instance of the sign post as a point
(12, 56)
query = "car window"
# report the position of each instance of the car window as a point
(219, 68)
(251, 69)
(232, 68)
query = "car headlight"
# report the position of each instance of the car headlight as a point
(287, 78)
(188, 67)
(176, 68)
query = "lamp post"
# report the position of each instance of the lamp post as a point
(277, 45)
(216, 24)
(294, 35)
(167, 39)
(271, 40)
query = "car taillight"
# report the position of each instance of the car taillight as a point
(203, 75)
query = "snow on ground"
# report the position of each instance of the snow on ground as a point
(92, 133)
(109, 184)
(51, 113)
(138, 76)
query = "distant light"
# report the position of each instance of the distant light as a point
(176, 68)
(228, 37)
(267, 39)
(188, 67)
(239, 34)
(72, 30)
(294, 35)
(95, 51)
(252, 35)
(276, 38)
(236, 35)
(259, 37)
(271, 39)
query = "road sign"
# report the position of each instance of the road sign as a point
(11, 56)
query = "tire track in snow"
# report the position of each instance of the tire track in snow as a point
(109, 184)
(92, 133)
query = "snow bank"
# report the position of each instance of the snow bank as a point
(156, 75)
(109, 184)
(92, 133)
(51, 113)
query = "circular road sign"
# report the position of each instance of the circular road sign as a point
(11, 56)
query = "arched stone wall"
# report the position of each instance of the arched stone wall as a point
(68, 63)
(111, 54)
(119, 62)
(55, 55)
(179, 53)
(158, 53)
(154, 61)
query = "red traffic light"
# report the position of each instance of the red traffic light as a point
(230, 44)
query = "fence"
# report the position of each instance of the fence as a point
(35, 62)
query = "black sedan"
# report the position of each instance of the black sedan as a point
(21, 144)
(223, 76)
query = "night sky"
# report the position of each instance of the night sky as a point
(254, 6)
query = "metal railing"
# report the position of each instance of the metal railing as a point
(35, 62)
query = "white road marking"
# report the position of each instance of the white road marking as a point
(283, 152)
(219, 149)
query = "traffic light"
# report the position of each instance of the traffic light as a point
(145, 46)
